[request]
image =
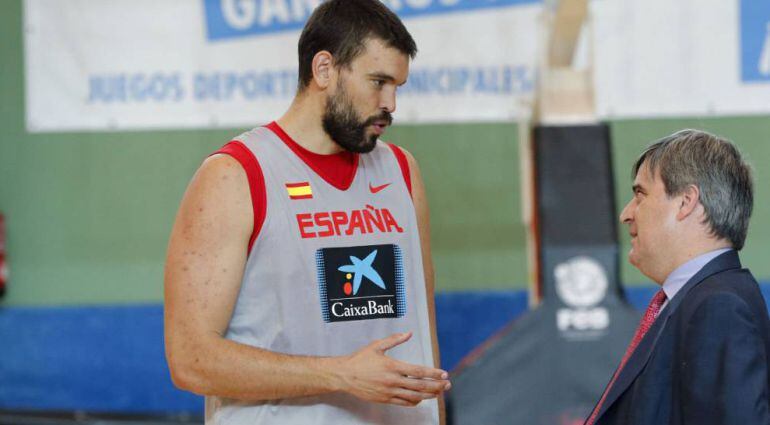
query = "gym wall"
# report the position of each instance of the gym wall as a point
(89, 213)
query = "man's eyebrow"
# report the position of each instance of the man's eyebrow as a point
(384, 76)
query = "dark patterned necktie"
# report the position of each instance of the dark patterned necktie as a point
(647, 320)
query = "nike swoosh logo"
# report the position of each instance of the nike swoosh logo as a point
(375, 189)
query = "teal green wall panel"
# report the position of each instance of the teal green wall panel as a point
(471, 175)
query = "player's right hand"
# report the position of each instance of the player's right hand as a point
(372, 376)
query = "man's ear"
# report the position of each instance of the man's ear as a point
(690, 199)
(323, 69)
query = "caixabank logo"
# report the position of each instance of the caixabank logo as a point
(755, 40)
(361, 282)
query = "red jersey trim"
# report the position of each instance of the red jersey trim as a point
(248, 161)
(403, 164)
(307, 157)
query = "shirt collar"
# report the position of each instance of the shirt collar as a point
(676, 280)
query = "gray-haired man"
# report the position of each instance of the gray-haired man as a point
(700, 354)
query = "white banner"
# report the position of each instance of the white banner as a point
(683, 57)
(143, 64)
(135, 64)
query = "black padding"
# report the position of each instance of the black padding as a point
(575, 195)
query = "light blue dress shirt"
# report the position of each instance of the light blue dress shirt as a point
(676, 280)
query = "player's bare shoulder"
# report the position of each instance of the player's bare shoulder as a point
(222, 171)
(218, 198)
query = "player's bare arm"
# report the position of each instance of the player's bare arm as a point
(423, 222)
(206, 257)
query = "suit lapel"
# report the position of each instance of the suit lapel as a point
(637, 361)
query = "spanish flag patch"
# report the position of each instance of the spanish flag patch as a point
(300, 190)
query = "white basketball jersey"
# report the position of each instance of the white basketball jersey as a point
(330, 271)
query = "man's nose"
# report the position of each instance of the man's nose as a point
(627, 214)
(388, 100)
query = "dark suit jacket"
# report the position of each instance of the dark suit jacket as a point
(705, 359)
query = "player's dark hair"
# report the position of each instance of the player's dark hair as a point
(715, 166)
(342, 28)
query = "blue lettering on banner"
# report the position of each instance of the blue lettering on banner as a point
(755, 40)
(137, 88)
(249, 85)
(215, 86)
(254, 85)
(237, 18)
(491, 80)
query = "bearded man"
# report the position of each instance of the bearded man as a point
(300, 253)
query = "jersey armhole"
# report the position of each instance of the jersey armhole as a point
(248, 161)
(403, 164)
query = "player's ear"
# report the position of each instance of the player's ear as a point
(323, 69)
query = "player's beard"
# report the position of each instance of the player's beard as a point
(342, 124)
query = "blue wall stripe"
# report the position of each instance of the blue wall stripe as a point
(100, 359)
(111, 359)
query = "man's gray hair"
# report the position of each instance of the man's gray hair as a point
(715, 166)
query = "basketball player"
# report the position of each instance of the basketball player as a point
(299, 283)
